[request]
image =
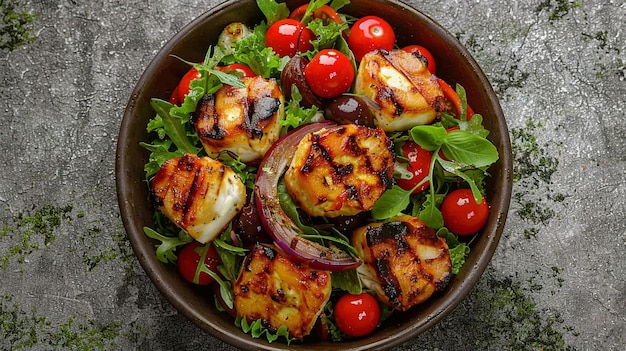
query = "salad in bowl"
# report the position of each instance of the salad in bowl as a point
(317, 174)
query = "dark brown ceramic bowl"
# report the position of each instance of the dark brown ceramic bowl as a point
(454, 64)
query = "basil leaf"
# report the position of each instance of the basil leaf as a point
(431, 216)
(429, 137)
(469, 148)
(392, 202)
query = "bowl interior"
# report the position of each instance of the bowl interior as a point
(455, 65)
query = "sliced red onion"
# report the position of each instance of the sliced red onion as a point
(281, 228)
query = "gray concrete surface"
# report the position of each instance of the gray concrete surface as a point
(69, 279)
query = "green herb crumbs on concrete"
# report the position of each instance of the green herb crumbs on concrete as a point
(514, 321)
(533, 168)
(16, 27)
(510, 77)
(86, 336)
(94, 253)
(30, 232)
(606, 50)
(556, 9)
(18, 329)
(25, 330)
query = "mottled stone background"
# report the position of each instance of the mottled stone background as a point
(69, 280)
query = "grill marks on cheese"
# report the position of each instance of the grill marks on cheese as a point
(401, 85)
(404, 261)
(280, 291)
(198, 194)
(241, 120)
(341, 170)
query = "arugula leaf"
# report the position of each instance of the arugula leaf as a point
(273, 10)
(230, 255)
(458, 251)
(228, 78)
(337, 4)
(349, 281)
(159, 154)
(457, 169)
(291, 209)
(246, 173)
(165, 250)
(173, 126)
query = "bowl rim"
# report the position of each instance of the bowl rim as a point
(146, 255)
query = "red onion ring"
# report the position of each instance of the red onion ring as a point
(281, 228)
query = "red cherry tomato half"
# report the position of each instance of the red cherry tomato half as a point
(370, 33)
(288, 37)
(454, 99)
(238, 67)
(419, 166)
(424, 54)
(189, 259)
(325, 13)
(357, 315)
(461, 214)
(183, 86)
(329, 74)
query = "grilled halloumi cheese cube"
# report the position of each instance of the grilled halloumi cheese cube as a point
(340, 170)
(280, 291)
(199, 194)
(404, 261)
(244, 121)
(401, 85)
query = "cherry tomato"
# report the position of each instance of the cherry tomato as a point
(370, 33)
(461, 214)
(419, 166)
(454, 99)
(357, 315)
(288, 37)
(174, 97)
(189, 258)
(325, 13)
(329, 74)
(423, 54)
(183, 86)
(238, 67)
